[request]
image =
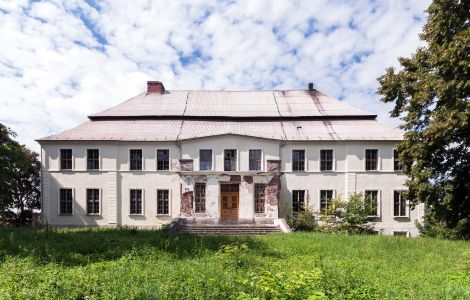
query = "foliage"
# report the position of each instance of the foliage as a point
(431, 94)
(294, 285)
(303, 221)
(19, 180)
(125, 263)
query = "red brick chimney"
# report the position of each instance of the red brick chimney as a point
(155, 87)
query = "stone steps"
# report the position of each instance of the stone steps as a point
(228, 229)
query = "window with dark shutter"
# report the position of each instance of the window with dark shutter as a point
(325, 200)
(205, 160)
(371, 202)
(326, 160)
(298, 160)
(66, 159)
(93, 159)
(399, 205)
(135, 159)
(230, 160)
(298, 200)
(136, 202)
(255, 160)
(259, 197)
(163, 159)
(93, 201)
(65, 201)
(163, 205)
(397, 166)
(372, 157)
(200, 198)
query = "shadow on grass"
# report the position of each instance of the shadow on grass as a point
(83, 246)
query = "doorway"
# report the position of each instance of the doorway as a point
(229, 202)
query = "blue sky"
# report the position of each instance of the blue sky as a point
(63, 60)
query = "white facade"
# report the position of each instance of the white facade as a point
(114, 178)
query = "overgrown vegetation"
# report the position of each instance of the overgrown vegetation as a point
(349, 217)
(139, 264)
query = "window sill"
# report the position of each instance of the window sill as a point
(401, 217)
(93, 170)
(163, 215)
(94, 215)
(136, 215)
(65, 215)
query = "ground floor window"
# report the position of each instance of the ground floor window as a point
(371, 202)
(163, 207)
(93, 201)
(200, 198)
(65, 201)
(401, 233)
(399, 205)
(298, 200)
(259, 197)
(136, 202)
(325, 200)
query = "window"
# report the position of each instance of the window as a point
(298, 200)
(163, 159)
(205, 160)
(200, 198)
(65, 201)
(255, 160)
(371, 202)
(325, 200)
(66, 159)
(326, 160)
(397, 166)
(399, 204)
(401, 233)
(230, 160)
(93, 159)
(136, 159)
(136, 202)
(93, 201)
(259, 197)
(163, 202)
(372, 157)
(298, 160)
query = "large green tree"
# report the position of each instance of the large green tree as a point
(19, 180)
(431, 94)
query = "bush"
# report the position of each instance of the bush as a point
(303, 221)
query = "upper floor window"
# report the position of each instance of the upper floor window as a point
(93, 201)
(259, 197)
(93, 159)
(326, 160)
(135, 202)
(135, 159)
(200, 198)
(371, 202)
(298, 160)
(163, 159)
(298, 200)
(399, 204)
(255, 160)
(230, 160)
(205, 160)
(163, 202)
(372, 159)
(325, 200)
(397, 166)
(66, 159)
(65, 201)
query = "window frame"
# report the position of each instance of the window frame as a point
(236, 159)
(169, 202)
(261, 160)
(72, 159)
(143, 202)
(378, 160)
(205, 198)
(99, 159)
(305, 160)
(142, 160)
(100, 197)
(379, 202)
(212, 159)
(407, 207)
(333, 195)
(264, 198)
(58, 201)
(396, 161)
(292, 200)
(333, 160)
(156, 159)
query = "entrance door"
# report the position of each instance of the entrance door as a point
(229, 202)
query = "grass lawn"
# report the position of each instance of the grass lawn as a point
(145, 264)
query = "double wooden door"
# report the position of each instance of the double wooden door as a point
(229, 198)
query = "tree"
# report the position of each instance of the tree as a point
(19, 180)
(431, 94)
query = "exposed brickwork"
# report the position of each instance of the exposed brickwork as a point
(235, 178)
(186, 208)
(186, 165)
(248, 179)
(273, 166)
(155, 87)
(272, 190)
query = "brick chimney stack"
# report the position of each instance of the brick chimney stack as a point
(155, 87)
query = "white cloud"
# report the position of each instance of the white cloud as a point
(63, 60)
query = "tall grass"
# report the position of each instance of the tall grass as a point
(148, 264)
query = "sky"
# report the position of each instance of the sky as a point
(61, 61)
